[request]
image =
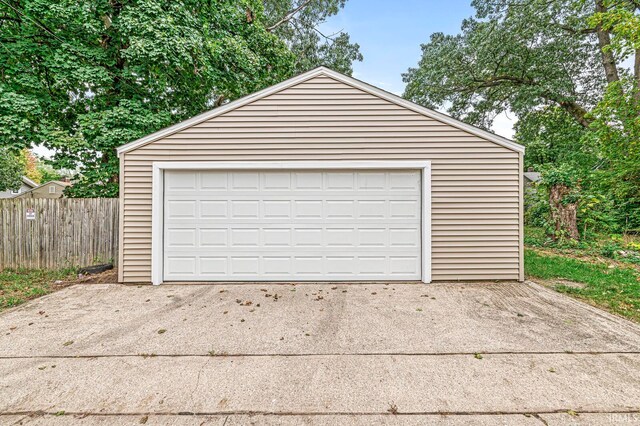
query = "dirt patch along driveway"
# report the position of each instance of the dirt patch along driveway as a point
(317, 353)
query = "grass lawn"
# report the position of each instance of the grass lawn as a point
(18, 286)
(616, 288)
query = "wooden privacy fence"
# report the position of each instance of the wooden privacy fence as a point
(55, 233)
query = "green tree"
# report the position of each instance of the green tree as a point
(616, 128)
(553, 137)
(83, 77)
(48, 173)
(558, 65)
(10, 171)
(616, 118)
(513, 55)
(297, 23)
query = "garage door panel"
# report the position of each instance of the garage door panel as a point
(276, 181)
(181, 209)
(181, 181)
(213, 237)
(212, 182)
(373, 237)
(307, 209)
(297, 225)
(374, 265)
(277, 237)
(245, 209)
(276, 209)
(341, 266)
(340, 237)
(248, 236)
(371, 181)
(287, 195)
(343, 209)
(284, 211)
(243, 181)
(403, 266)
(213, 266)
(404, 237)
(244, 265)
(303, 181)
(245, 237)
(289, 266)
(339, 181)
(307, 181)
(404, 209)
(274, 266)
(307, 237)
(372, 209)
(181, 237)
(404, 181)
(210, 209)
(181, 266)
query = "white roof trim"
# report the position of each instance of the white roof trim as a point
(29, 182)
(337, 76)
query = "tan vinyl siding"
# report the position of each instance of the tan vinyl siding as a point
(476, 203)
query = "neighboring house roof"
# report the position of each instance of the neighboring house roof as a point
(29, 182)
(532, 176)
(56, 182)
(337, 76)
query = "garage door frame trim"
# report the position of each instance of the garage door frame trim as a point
(157, 212)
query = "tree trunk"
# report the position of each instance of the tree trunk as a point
(636, 74)
(564, 215)
(604, 41)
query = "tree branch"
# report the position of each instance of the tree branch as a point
(577, 112)
(289, 15)
(572, 107)
(497, 80)
(571, 30)
(331, 37)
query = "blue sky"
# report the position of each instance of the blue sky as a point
(390, 32)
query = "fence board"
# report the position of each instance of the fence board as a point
(65, 232)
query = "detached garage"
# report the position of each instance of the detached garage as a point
(321, 178)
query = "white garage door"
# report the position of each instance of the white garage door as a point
(292, 225)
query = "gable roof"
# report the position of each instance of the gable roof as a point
(29, 182)
(322, 71)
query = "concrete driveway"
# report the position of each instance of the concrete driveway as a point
(481, 353)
